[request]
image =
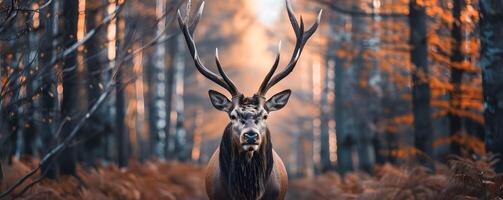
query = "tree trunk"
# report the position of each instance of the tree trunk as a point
(29, 44)
(94, 73)
(49, 98)
(344, 154)
(420, 81)
(326, 163)
(456, 74)
(32, 61)
(180, 137)
(491, 62)
(170, 74)
(121, 132)
(157, 109)
(9, 112)
(70, 85)
(361, 114)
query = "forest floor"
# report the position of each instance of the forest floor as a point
(461, 179)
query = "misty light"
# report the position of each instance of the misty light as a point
(268, 11)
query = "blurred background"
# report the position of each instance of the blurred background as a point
(95, 84)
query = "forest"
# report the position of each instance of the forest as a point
(390, 99)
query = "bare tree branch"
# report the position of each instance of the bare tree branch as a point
(333, 5)
(50, 158)
(54, 153)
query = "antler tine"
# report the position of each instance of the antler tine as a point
(262, 90)
(302, 37)
(187, 33)
(195, 21)
(232, 87)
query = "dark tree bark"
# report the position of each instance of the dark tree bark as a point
(344, 141)
(31, 63)
(70, 84)
(491, 55)
(122, 138)
(456, 74)
(121, 133)
(94, 78)
(49, 95)
(420, 81)
(29, 129)
(10, 116)
(361, 114)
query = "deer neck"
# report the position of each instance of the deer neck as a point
(245, 178)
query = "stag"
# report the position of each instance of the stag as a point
(245, 166)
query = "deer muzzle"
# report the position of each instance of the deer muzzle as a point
(250, 140)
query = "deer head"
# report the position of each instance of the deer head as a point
(248, 115)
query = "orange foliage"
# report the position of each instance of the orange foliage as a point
(402, 119)
(466, 141)
(405, 152)
(463, 65)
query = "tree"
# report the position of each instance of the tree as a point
(70, 102)
(456, 73)
(31, 63)
(362, 67)
(420, 81)
(157, 82)
(180, 137)
(326, 163)
(49, 94)
(94, 75)
(491, 62)
(344, 157)
(121, 132)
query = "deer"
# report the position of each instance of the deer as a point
(245, 166)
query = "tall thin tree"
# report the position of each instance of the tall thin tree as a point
(456, 73)
(420, 81)
(491, 62)
(121, 132)
(344, 152)
(95, 62)
(49, 94)
(70, 103)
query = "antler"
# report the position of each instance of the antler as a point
(302, 37)
(222, 80)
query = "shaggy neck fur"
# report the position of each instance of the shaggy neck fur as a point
(245, 179)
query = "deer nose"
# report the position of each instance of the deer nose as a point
(251, 137)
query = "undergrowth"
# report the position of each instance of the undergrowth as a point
(460, 178)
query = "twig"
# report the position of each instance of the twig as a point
(334, 6)
(72, 48)
(50, 158)
(54, 153)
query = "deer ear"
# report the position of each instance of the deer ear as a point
(220, 101)
(278, 100)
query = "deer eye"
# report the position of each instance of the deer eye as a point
(233, 117)
(264, 117)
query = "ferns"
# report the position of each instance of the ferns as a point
(150, 180)
(461, 178)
